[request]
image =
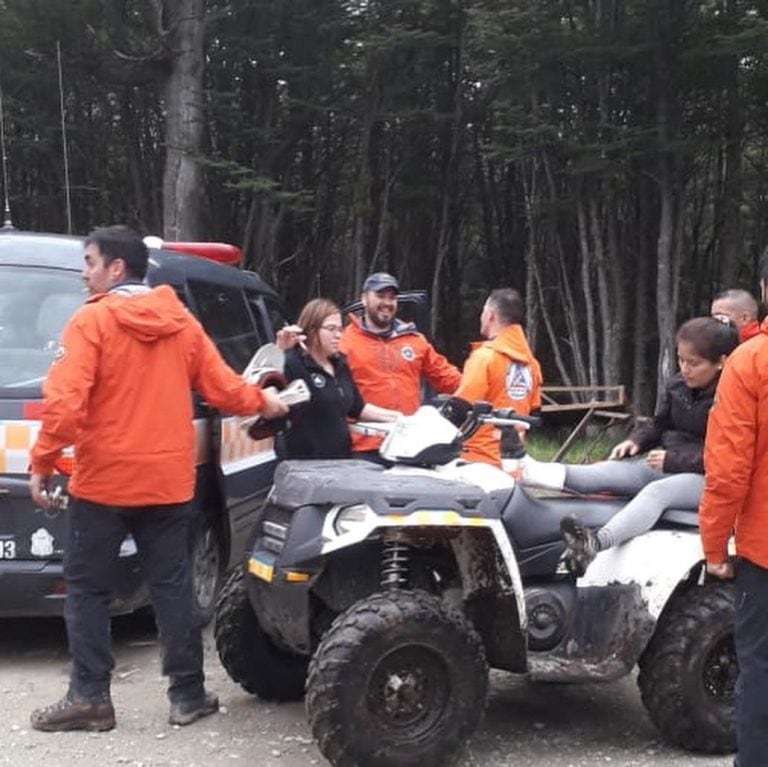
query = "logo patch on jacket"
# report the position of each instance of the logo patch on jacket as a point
(408, 353)
(518, 381)
(318, 381)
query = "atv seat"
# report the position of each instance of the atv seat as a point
(531, 521)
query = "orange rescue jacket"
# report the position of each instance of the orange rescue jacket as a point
(750, 330)
(388, 369)
(504, 372)
(736, 457)
(119, 391)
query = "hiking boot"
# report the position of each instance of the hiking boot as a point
(75, 713)
(582, 545)
(184, 712)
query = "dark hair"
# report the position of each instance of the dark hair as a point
(711, 338)
(508, 305)
(313, 315)
(121, 242)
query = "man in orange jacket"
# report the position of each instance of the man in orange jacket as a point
(119, 391)
(736, 499)
(501, 370)
(388, 357)
(740, 307)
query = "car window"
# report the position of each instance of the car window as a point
(227, 318)
(267, 314)
(35, 304)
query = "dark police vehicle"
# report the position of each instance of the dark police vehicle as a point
(40, 288)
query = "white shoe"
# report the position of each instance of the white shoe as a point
(541, 473)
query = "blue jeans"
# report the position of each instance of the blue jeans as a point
(161, 533)
(752, 654)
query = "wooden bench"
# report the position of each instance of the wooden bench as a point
(581, 406)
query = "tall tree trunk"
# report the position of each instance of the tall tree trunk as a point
(184, 122)
(586, 286)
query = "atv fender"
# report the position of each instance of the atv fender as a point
(657, 561)
(618, 604)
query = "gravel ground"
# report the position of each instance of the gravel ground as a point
(526, 725)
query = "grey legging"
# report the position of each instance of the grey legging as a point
(654, 492)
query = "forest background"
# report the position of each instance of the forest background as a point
(606, 157)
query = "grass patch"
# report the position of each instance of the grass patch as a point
(543, 444)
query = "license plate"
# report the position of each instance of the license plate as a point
(7, 548)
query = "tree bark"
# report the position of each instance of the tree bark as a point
(183, 176)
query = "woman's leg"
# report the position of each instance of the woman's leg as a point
(626, 478)
(639, 515)
(681, 491)
(619, 477)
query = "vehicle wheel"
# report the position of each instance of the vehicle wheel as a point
(207, 567)
(399, 679)
(249, 656)
(688, 672)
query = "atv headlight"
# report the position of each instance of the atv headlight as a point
(349, 517)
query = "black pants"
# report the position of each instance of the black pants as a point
(161, 533)
(752, 653)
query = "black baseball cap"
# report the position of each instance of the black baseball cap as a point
(380, 281)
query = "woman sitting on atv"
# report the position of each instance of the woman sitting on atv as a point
(669, 476)
(319, 428)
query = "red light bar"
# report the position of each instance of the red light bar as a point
(215, 251)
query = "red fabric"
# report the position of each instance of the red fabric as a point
(750, 330)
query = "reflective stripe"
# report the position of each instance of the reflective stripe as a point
(16, 440)
(238, 451)
(261, 569)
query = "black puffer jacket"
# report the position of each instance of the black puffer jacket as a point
(679, 426)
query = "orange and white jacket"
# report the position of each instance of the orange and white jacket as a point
(736, 458)
(120, 392)
(504, 372)
(388, 369)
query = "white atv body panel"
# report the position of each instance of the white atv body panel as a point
(657, 561)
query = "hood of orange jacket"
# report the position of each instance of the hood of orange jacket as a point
(511, 341)
(149, 315)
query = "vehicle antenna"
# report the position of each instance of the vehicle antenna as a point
(64, 138)
(7, 223)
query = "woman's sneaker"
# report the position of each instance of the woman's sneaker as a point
(582, 545)
(75, 713)
(184, 712)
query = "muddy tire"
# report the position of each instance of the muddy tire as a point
(688, 672)
(248, 655)
(398, 680)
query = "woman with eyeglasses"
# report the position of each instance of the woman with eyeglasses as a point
(319, 428)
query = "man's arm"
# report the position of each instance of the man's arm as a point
(224, 389)
(441, 374)
(729, 455)
(473, 386)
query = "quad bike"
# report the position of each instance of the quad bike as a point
(387, 593)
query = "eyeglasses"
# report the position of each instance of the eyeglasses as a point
(724, 318)
(333, 329)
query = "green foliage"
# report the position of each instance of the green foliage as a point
(543, 445)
